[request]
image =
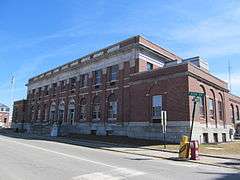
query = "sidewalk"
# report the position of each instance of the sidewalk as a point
(226, 162)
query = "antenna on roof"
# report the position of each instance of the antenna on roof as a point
(229, 76)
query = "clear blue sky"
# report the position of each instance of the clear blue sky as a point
(36, 36)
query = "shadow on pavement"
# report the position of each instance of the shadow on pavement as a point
(82, 140)
(225, 176)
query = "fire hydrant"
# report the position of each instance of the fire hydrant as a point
(194, 146)
(184, 148)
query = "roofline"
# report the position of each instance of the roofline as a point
(132, 40)
(164, 49)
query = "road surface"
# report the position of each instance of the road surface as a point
(23, 159)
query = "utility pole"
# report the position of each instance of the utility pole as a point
(12, 98)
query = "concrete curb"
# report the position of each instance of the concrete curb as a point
(158, 157)
(206, 155)
(162, 150)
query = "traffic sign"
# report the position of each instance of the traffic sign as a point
(196, 94)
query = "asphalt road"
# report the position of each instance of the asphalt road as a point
(23, 159)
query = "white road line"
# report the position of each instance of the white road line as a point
(117, 171)
(116, 174)
(96, 176)
(59, 153)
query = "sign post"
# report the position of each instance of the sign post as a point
(164, 126)
(196, 96)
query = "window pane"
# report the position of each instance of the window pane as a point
(97, 77)
(149, 66)
(156, 106)
(157, 100)
(113, 72)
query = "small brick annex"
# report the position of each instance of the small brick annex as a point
(4, 116)
(114, 91)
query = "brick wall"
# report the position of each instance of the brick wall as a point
(4, 119)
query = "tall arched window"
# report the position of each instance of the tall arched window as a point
(32, 113)
(211, 106)
(220, 107)
(112, 107)
(232, 114)
(237, 113)
(52, 111)
(202, 103)
(96, 108)
(71, 111)
(38, 114)
(83, 104)
(61, 111)
(45, 113)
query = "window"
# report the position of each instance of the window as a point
(45, 113)
(112, 107)
(61, 109)
(149, 66)
(73, 82)
(39, 91)
(71, 115)
(83, 109)
(71, 111)
(84, 80)
(5, 120)
(98, 77)
(211, 108)
(63, 85)
(96, 108)
(215, 137)
(113, 73)
(202, 106)
(220, 110)
(205, 137)
(46, 92)
(39, 114)
(52, 111)
(7, 109)
(224, 137)
(2, 109)
(156, 106)
(32, 113)
(232, 114)
(54, 88)
(237, 113)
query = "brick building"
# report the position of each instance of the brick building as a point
(121, 90)
(4, 116)
(19, 117)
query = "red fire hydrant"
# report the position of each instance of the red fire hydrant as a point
(194, 146)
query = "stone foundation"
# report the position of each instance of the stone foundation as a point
(144, 130)
(139, 130)
(200, 129)
(26, 126)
